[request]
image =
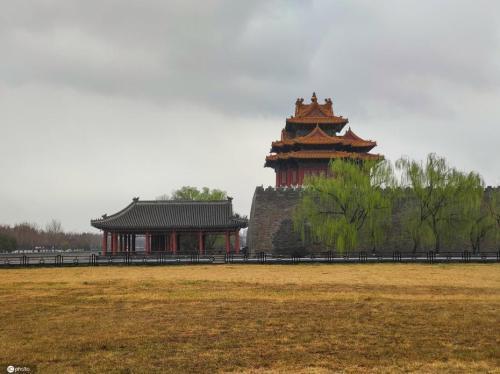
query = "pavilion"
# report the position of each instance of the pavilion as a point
(161, 223)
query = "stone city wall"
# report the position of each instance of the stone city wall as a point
(270, 228)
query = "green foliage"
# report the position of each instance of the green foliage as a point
(492, 202)
(193, 193)
(481, 224)
(334, 210)
(7, 243)
(447, 199)
(435, 206)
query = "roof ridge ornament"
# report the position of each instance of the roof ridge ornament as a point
(298, 105)
(314, 99)
(135, 199)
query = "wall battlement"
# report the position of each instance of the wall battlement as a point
(271, 226)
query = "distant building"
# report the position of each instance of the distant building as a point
(310, 140)
(161, 224)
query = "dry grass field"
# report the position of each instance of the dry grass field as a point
(252, 318)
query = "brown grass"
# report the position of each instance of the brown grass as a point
(298, 318)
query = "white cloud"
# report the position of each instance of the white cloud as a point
(103, 101)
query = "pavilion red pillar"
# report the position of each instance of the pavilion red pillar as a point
(113, 243)
(133, 243)
(174, 242)
(147, 243)
(104, 243)
(120, 242)
(125, 242)
(228, 243)
(237, 241)
(201, 243)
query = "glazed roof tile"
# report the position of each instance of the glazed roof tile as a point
(318, 136)
(172, 214)
(322, 155)
(315, 113)
(318, 120)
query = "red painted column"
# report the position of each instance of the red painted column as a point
(133, 243)
(228, 243)
(277, 177)
(289, 177)
(104, 243)
(125, 242)
(120, 243)
(146, 243)
(301, 176)
(237, 241)
(113, 243)
(174, 242)
(201, 244)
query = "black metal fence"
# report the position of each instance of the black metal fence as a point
(162, 258)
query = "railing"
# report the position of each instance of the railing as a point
(163, 258)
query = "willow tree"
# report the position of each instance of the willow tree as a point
(445, 198)
(481, 222)
(493, 204)
(333, 210)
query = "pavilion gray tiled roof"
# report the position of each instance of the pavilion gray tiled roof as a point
(172, 215)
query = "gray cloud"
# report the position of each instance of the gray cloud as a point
(100, 101)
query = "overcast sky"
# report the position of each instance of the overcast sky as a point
(101, 101)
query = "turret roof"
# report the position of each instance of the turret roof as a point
(315, 113)
(318, 136)
(322, 155)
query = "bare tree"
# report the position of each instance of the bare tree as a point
(54, 227)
